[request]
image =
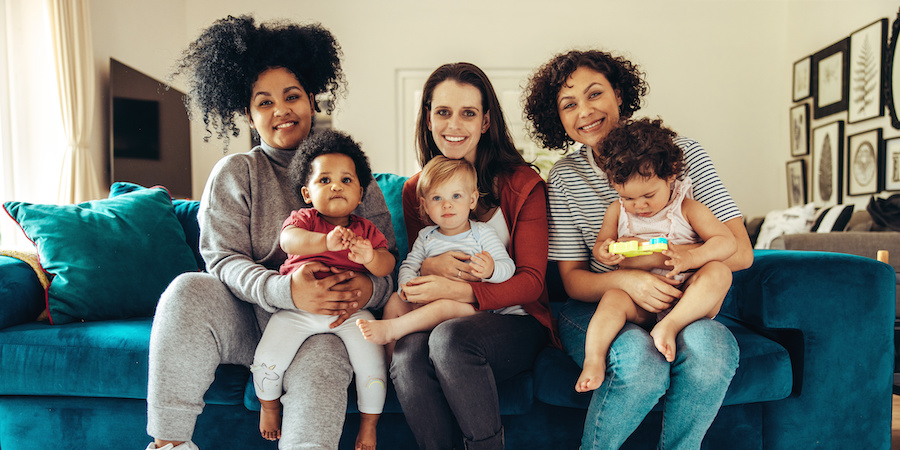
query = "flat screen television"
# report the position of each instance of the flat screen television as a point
(150, 142)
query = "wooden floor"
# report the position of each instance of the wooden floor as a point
(895, 423)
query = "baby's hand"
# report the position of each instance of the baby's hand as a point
(361, 251)
(680, 261)
(481, 265)
(601, 252)
(335, 241)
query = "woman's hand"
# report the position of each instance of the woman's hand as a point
(335, 295)
(429, 288)
(452, 265)
(653, 293)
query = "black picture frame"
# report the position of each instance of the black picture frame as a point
(802, 79)
(864, 160)
(800, 130)
(891, 75)
(867, 51)
(890, 174)
(830, 79)
(796, 182)
(826, 168)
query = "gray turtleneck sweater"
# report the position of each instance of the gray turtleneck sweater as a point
(246, 200)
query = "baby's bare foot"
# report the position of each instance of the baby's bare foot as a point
(270, 420)
(365, 440)
(376, 331)
(664, 338)
(592, 375)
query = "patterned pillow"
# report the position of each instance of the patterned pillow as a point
(834, 218)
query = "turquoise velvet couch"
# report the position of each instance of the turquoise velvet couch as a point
(815, 332)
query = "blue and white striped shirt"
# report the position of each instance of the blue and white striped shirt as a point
(578, 194)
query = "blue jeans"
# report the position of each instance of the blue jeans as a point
(449, 376)
(637, 376)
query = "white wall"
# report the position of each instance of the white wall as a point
(719, 71)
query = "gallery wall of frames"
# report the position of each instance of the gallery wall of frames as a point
(844, 117)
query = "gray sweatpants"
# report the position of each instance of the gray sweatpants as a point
(198, 325)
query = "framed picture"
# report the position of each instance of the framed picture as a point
(866, 54)
(891, 75)
(891, 166)
(802, 78)
(800, 130)
(863, 156)
(827, 152)
(830, 81)
(796, 182)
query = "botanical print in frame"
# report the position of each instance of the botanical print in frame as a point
(796, 182)
(827, 162)
(891, 174)
(863, 156)
(802, 77)
(830, 79)
(867, 51)
(800, 130)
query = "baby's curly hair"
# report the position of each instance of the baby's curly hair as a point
(541, 110)
(324, 142)
(222, 64)
(640, 147)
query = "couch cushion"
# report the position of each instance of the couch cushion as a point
(111, 258)
(92, 359)
(763, 374)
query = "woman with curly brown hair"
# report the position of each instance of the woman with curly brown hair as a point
(580, 97)
(269, 73)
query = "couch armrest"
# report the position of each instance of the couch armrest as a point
(21, 294)
(835, 315)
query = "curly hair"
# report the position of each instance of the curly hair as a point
(324, 142)
(541, 111)
(640, 147)
(496, 152)
(223, 63)
(439, 171)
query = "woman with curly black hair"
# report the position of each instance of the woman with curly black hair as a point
(271, 73)
(578, 97)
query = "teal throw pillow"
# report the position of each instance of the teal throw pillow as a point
(109, 259)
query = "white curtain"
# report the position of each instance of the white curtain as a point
(73, 51)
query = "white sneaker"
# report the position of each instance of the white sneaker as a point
(184, 446)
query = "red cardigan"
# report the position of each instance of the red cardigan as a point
(523, 200)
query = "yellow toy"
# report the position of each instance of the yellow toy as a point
(636, 248)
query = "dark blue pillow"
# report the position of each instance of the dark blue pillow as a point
(21, 294)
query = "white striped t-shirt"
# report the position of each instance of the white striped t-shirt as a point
(578, 194)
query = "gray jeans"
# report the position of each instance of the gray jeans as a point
(198, 325)
(448, 377)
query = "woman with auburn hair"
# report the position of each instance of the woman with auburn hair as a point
(579, 97)
(446, 378)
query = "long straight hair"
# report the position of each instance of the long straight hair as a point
(496, 153)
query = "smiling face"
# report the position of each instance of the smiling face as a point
(333, 188)
(456, 119)
(645, 196)
(280, 109)
(588, 106)
(448, 204)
